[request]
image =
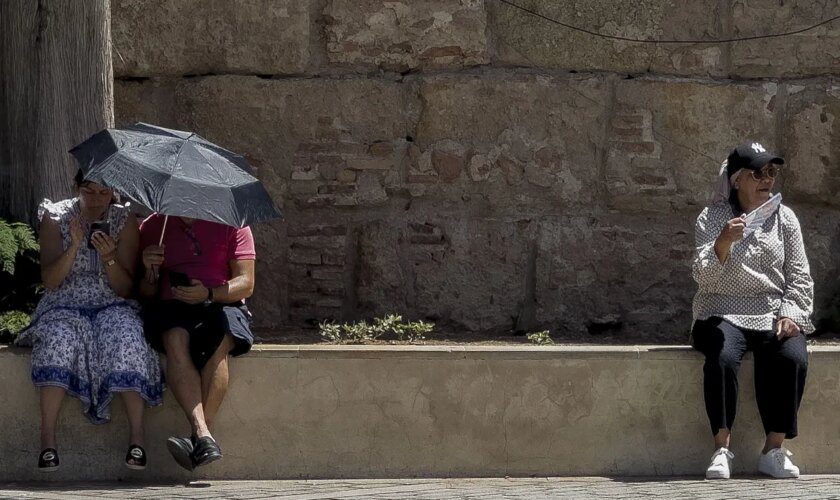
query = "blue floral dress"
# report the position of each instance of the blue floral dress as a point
(85, 338)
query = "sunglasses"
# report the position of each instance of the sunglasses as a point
(770, 172)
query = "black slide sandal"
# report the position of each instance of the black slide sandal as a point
(135, 458)
(48, 460)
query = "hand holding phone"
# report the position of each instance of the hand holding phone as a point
(100, 226)
(178, 279)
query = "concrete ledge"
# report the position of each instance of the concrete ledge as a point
(435, 411)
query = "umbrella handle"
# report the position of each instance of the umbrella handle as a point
(163, 231)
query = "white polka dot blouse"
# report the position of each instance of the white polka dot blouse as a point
(766, 276)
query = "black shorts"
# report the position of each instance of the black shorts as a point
(206, 325)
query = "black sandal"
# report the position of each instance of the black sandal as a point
(206, 451)
(135, 458)
(48, 460)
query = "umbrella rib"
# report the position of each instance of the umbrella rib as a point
(181, 148)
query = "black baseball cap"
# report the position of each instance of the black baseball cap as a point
(751, 155)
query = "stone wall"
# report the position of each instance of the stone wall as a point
(466, 162)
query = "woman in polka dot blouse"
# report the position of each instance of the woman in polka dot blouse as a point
(755, 293)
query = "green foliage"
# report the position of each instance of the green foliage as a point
(20, 277)
(11, 323)
(16, 238)
(541, 338)
(362, 331)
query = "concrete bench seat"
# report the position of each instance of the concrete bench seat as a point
(318, 411)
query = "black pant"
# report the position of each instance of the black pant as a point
(780, 370)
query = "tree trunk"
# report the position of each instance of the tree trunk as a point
(56, 89)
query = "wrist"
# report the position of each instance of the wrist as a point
(209, 295)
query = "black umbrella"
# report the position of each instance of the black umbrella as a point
(176, 173)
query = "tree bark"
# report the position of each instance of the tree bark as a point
(56, 89)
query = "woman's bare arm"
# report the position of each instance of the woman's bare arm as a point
(56, 261)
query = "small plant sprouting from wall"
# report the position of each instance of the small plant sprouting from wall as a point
(360, 332)
(541, 338)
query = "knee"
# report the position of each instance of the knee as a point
(176, 343)
(797, 358)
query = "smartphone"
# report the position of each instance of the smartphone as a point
(178, 279)
(99, 225)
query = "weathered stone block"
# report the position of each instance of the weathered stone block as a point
(815, 52)
(821, 234)
(400, 36)
(667, 139)
(180, 37)
(616, 274)
(468, 272)
(812, 145)
(151, 101)
(508, 139)
(525, 40)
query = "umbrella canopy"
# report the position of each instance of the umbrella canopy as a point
(173, 172)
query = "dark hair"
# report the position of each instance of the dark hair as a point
(79, 181)
(734, 202)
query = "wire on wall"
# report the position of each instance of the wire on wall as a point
(687, 41)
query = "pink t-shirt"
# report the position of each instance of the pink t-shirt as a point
(202, 251)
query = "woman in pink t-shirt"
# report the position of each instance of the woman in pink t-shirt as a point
(196, 284)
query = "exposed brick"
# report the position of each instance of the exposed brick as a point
(303, 286)
(327, 273)
(303, 301)
(369, 163)
(319, 242)
(333, 148)
(332, 288)
(347, 176)
(325, 230)
(303, 187)
(447, 165)
(336, 189)
(304, 256)
(299, 272)
(439, 52)
(381, 149)
(334, 259)
(329, 303)
(423, 228)
(423, 179)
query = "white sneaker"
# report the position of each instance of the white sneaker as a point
(721, 465)
(777, 463)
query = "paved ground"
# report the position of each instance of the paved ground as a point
(810, 487)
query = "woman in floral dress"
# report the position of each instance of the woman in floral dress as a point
(86, 335)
